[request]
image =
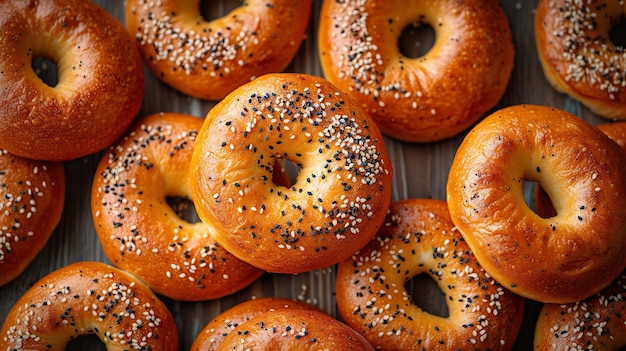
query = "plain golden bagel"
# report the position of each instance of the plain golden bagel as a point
(294, 329)
(616, 131)
(141, 233)
(215, 331)
(577, 55)
(100, 79)
(89, 298)
(418, 237)
(341, 192)
(421, 99)
(559, 259)
(33, 196)
(209, 59)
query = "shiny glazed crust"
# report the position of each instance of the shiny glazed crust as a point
(596, 323)
(141, 233)
(100, 79)
(577, 55)
(210, 59)
(418, 237)
(422, 99)
(214, 332)
(89, 298)
(340, 195)
(33, 195)
(616, 131)
(559, 259)
(294, 330)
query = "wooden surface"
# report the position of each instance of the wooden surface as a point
(420, 172)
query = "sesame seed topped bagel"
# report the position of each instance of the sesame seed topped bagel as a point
(418, 237)
(595, 323)
(100, 79)
(559, 259)
(577, 55)
(292, 330)
(342, 189)
(33, 196)
(141, 233)
(215, 331)
(89, 298)
(209, 59)
(421, 99)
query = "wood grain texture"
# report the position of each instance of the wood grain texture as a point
(420, 172)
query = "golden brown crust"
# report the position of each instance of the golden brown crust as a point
(294, 330)
(616, 131)
(214, 332)
(100, 79)
(341, 193)
(424, 99)
(208, 60)
(141, 233)
(33, 195)
(89, 298)
(596, 323)
(562, 258)
(577, 55)
(418, 237)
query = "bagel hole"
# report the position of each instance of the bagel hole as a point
(184, 208)
(427, 295)
(285, 172)
(212, 10)
(86, 342)
(617, 34)
(46, 70)
(416, 39)
(538, 200)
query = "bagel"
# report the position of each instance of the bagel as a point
(100, 79)
(418, 237)
(89, 298)
(141, 233)
(294, 329)
(577, 55)
(209, 59)
(560, 259)
(423, 99)
(33, 196)
(214, 332)
(595, 323)
(341, 192)
(616, 131)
